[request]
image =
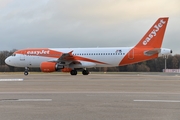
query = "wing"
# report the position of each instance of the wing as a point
(69, 60)
(64, 56)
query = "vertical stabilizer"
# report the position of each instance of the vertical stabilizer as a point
(154, 37)
(149, 46)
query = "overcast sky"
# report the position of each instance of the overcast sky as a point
(85, 23)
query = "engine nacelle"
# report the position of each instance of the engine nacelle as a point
(165, 52)
(49, 66)
(66, 70)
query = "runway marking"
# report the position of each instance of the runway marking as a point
(167, 101)
(89, 92)
(27, 100)
(1, 80)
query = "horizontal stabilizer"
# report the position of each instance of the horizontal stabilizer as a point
(152, 52)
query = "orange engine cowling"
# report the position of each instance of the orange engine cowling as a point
(66, 70)
(48, 67)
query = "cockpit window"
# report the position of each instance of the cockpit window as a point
(13, 55)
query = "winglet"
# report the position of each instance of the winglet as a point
(70, 53)
(154, 37)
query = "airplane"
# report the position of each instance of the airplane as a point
(73, 59)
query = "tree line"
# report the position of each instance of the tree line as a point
(155, 65)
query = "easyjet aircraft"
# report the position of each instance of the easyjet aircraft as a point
(73, 59)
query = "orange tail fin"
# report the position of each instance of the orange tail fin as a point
(149, 46)
(154, 37)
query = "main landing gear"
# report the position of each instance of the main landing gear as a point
(84, 72)
(73, 72)
(26, 71)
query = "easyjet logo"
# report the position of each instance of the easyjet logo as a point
(157, 27)
(38, 52)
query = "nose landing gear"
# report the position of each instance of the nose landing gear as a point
(26, 71)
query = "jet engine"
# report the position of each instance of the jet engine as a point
(165, 52)
(50, 66)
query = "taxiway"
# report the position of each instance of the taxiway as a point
(120, 96)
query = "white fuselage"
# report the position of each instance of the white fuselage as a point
(110, 56)
(106, 57)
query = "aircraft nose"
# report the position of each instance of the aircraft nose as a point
(7, 60)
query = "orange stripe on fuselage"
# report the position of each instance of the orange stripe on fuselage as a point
(79, 58)
(45, 52)
(136, 55)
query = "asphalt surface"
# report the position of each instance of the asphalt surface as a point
(123, 96)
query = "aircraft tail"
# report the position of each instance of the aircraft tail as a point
(149, 47)
(154, 37)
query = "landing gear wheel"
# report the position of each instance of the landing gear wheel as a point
(25, 73)
(73, 72)
(85, 72)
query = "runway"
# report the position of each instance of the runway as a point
(117, 96)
